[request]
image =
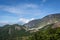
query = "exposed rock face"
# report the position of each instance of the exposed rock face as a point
(32, 23)
(9, 31)
(56, 25)
(39, 23)
(17, 28)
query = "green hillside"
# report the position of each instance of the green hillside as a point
(11, 32)
(46, 34)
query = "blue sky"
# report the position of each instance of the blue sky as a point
(14, 11)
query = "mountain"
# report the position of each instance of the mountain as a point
(18, 32)
(11, 32)
(32, 23)
(51, 26)
(48, 26)
(48, 32)
(40, 23)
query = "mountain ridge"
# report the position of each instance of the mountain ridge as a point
(49, 19)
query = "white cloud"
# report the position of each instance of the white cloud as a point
(22, 10)
(24, 20)
(18, 9)
(10, 9)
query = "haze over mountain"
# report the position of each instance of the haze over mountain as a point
(39, 23)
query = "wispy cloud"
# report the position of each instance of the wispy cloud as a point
(19, 9)
(22, 8)
(24, 20)
(10, 9)
(42, 3)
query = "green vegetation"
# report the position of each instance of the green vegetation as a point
(46, 34)
(13, 32)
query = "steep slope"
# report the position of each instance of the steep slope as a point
(47, 33)
(32, 23)
(39, 23)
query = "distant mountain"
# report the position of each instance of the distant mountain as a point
(12, 31)
(39, 23)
